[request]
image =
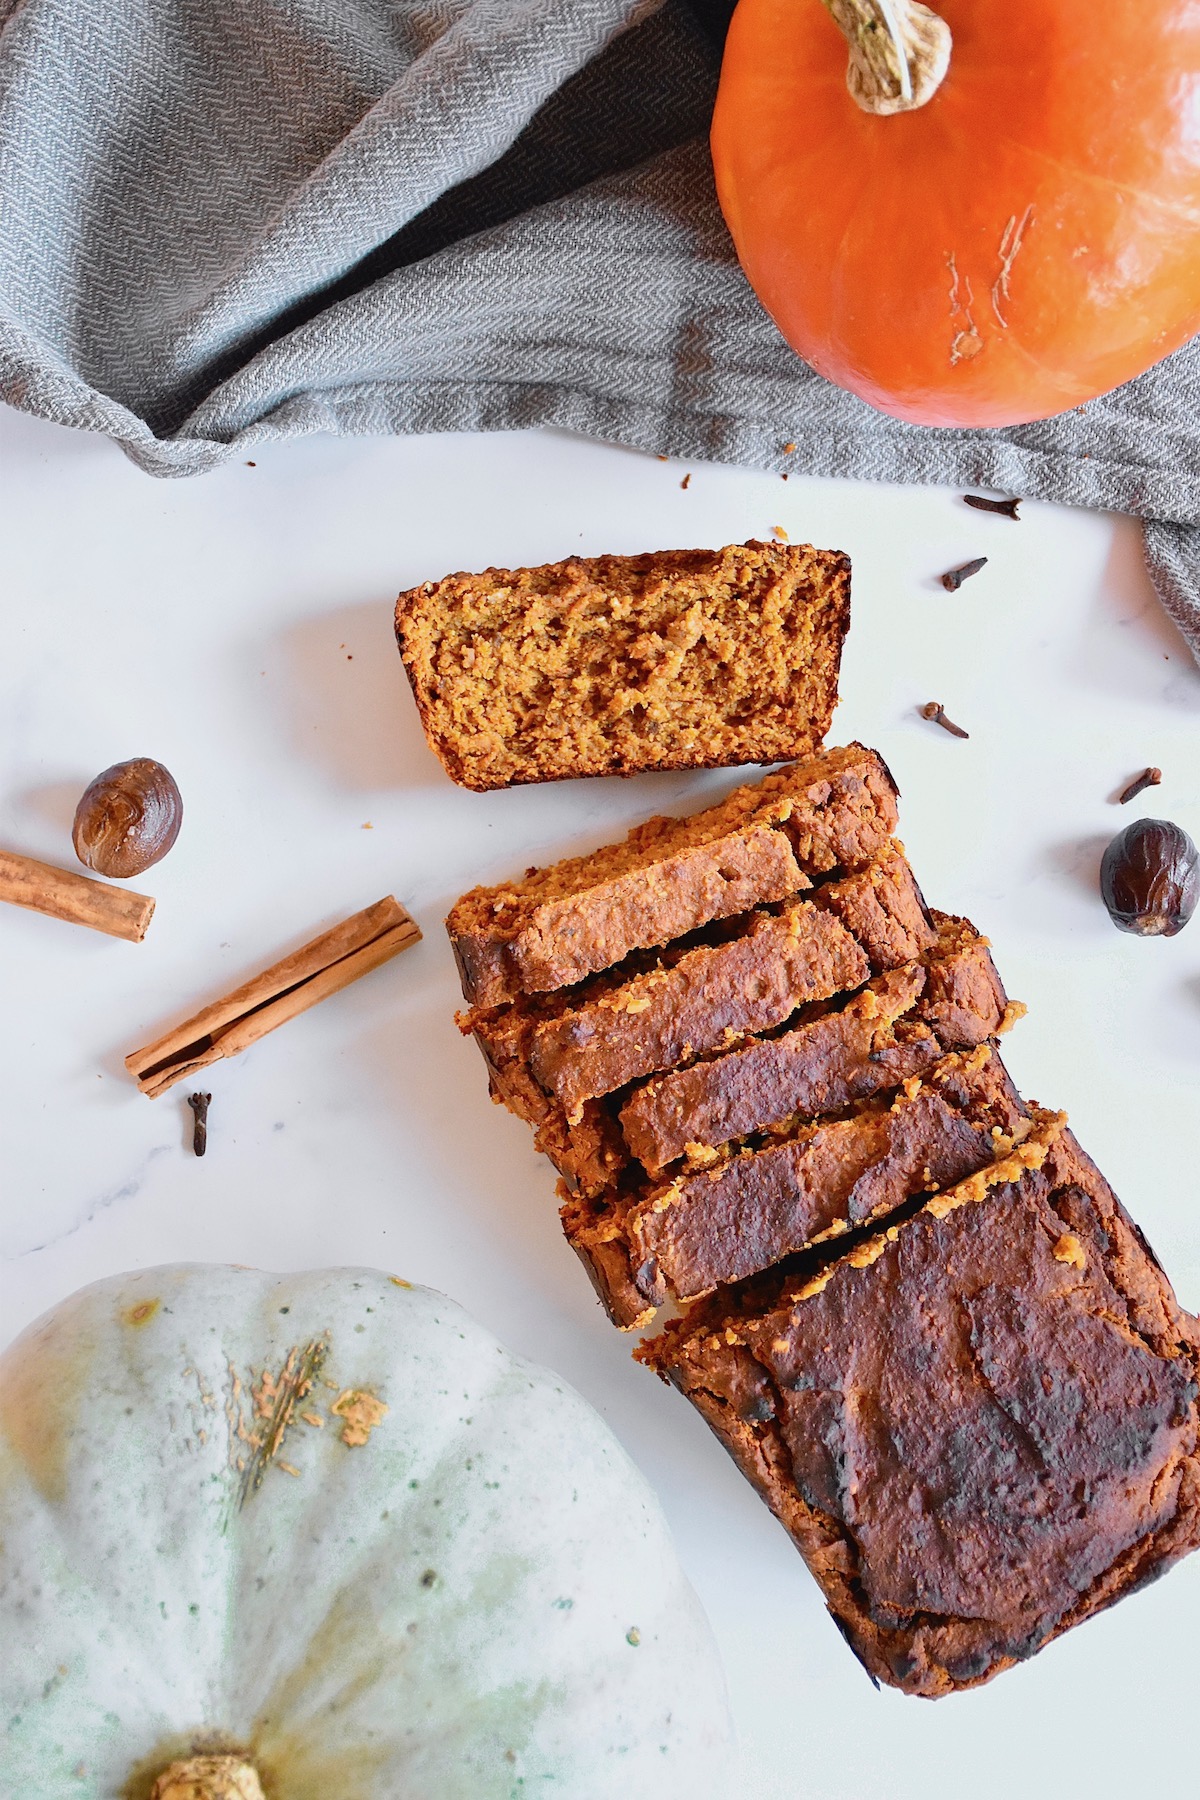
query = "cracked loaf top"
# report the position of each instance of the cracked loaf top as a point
(980, 1427)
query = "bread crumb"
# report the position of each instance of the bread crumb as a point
(1069, 1250)
(700, 1153)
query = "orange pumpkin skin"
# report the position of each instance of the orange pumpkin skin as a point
(1028, 239)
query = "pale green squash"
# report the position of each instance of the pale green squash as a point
(326, 1526)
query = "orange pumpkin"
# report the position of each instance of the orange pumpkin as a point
(1025, 239)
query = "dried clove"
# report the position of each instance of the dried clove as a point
(199, 1104)
(1150, 878)
(934, 710)
(1007, 507)
(1147, 779)
(953, 579)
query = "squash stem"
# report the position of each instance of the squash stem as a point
(899, 52)
(209, 1778)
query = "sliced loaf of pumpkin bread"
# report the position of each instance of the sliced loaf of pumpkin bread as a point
(767, 1075)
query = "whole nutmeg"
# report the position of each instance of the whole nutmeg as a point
(128, 818)
(1150, 878)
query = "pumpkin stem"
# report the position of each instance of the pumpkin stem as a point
(209, 1778)
(899, 52)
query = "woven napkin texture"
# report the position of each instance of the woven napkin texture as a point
(221, 224)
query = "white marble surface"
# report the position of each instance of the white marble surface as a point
(238, 627)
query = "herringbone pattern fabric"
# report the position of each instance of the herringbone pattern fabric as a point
(225, 223)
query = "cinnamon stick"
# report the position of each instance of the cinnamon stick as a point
(330, 962)
(76, 898)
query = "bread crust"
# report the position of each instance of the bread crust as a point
(833, 812)
(708, 1228)
(711, 997)
(884, 1036)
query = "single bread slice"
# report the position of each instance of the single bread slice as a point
(979, 1428)
(607, 665)
(670, 876)
(884, 908)
(759, 1205)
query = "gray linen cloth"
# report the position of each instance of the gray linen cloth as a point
(225, 223)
